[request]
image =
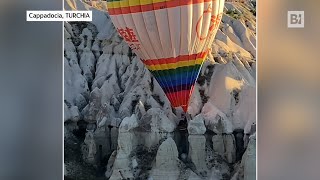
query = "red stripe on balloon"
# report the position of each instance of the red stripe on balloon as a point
(151, 62)
(182, 98)
(154, 6)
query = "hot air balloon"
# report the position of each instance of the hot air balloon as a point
(171, 37)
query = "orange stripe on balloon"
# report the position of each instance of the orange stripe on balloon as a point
(153, 6)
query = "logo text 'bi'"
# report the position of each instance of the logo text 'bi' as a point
(295, 19)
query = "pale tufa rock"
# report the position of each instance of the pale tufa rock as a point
(196, 125)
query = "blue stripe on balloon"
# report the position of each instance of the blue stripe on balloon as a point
(176, 80)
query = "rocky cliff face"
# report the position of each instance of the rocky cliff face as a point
(120, 124)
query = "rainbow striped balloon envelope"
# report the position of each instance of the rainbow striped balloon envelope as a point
(171, 37)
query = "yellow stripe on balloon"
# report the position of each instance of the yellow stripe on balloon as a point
(175, 65)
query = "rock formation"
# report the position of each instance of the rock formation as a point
(166, 162)
(196, 126)
(249, 160)
(89, 148)
(225, 146)
(247, 168)
(126, 144)
(197, 151)
(197, 143)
